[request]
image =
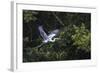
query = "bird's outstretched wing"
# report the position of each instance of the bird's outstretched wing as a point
(53, 33)
(42, 33)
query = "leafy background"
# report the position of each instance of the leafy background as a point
(75, 36)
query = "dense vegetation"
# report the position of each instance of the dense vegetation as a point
(74, 34)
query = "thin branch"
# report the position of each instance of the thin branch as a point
(59, 20)
(39, 46)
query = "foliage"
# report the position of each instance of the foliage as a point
(75, 36)
(81, 37)
(29, 16)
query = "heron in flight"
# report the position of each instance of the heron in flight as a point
(49, 37)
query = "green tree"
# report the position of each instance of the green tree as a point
(81, 37)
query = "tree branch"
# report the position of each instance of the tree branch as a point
(59, 20)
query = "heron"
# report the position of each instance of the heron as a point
(47, 37)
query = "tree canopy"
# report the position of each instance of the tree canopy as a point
(75, 36)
